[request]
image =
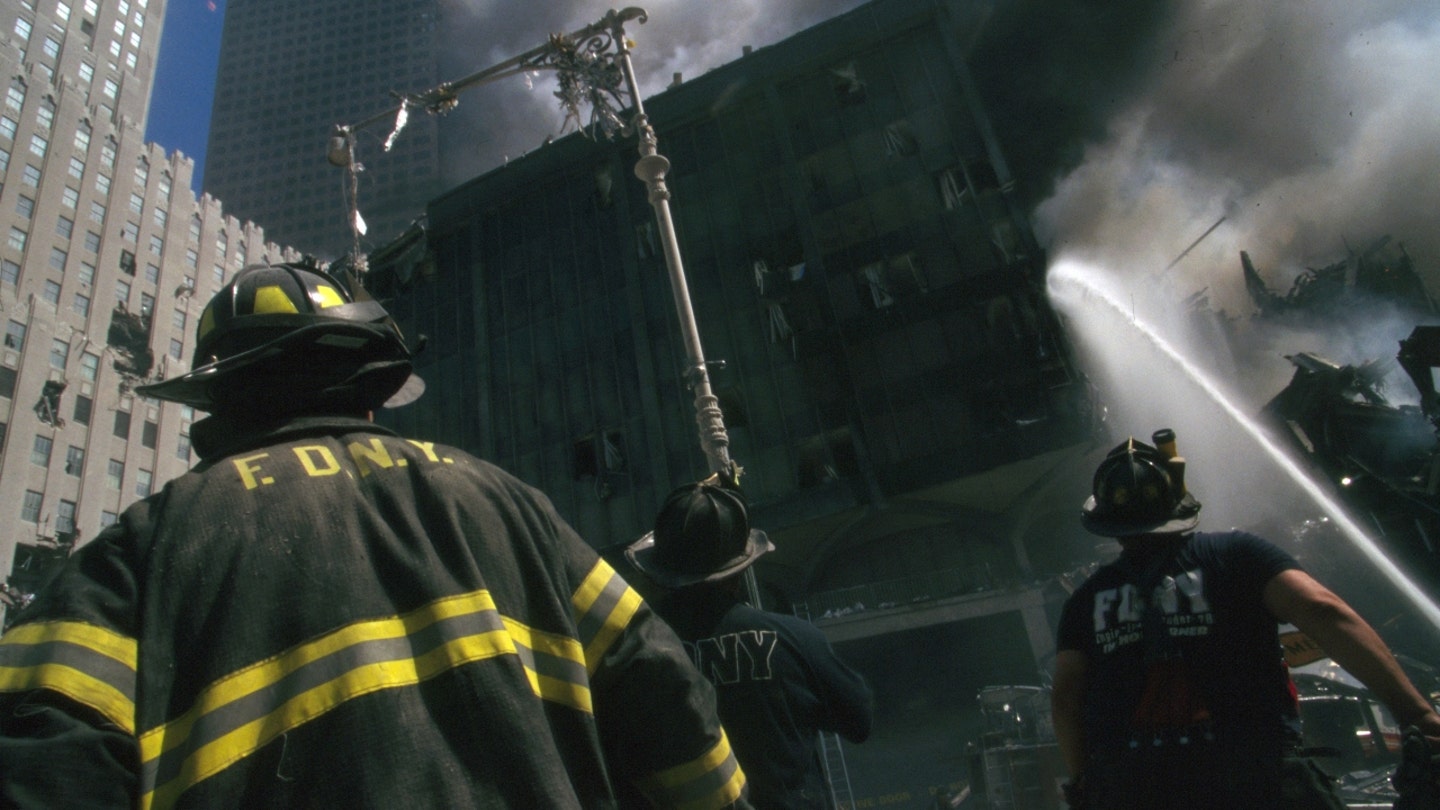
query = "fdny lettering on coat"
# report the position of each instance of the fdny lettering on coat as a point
(1118, 612)
(734, 657)
(319, 461)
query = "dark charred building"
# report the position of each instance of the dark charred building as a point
(894, 383)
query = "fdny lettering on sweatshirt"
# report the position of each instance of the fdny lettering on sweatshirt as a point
(734, 657)
(1117, 612)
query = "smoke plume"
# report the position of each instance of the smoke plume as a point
(507, 119)
(1305, 131)
(1307, 127)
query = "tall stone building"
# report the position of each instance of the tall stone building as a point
(288, 73)
(107, 259)
(895, 385)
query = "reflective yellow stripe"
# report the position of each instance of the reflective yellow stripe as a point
(713, 780)
(245, 710)
(262, 674)
(106, 642)
(271, 299)
(88, 664)
(604, 605)
(558, 684)
(325, 297)
(207, 322)
(209, 759)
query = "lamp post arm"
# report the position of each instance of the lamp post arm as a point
(652, 168)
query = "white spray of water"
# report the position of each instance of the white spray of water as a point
(1073, 284)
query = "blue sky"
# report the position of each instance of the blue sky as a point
(185, 78)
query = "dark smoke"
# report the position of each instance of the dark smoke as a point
(1131, 126)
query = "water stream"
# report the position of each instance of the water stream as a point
(1076, 288)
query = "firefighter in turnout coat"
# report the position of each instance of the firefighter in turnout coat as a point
(325, 614)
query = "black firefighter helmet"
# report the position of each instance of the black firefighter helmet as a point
(287, 338)
(702, 534)
(1139, 489)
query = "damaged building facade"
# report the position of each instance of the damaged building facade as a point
(108, 260)
(894, 383)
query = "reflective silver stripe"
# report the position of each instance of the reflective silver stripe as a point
(88, 664)
(556, 665)
(604, 605)
(242, 712)
(713, 780)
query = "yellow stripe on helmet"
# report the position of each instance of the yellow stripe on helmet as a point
(326, 296)
(271, 299)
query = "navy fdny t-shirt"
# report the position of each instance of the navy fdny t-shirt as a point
(1217, 664)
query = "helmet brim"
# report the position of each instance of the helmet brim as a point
(195, 388)
(1184, 519)
(641, 554)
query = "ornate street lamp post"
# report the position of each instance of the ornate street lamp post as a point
(593, 69)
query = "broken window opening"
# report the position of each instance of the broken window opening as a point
(777, 325)
(129, 337)
(905, 276)
(952, 188)
(981, 175)
(849, 87)
(874, 275)
(827, 457)
(127, 262)
(894, 279)
(599, 453)
(614, 456)
(776, 283)
(900, 140)
(48, 408)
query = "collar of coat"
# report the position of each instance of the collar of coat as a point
(217, 437)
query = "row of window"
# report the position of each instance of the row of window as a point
(40, 450)
(127, 28)
(18, 236)
(89, 362)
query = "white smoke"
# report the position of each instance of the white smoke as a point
(507, 119)
(1310, 129)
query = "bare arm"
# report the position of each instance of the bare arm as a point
(1296, 597)
(1066, 698)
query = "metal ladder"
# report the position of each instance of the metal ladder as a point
(836, 774)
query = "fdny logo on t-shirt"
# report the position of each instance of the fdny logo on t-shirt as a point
(1118, 612)
(734, 657)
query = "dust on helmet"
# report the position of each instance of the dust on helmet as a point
(288, 337)
(1139, 489)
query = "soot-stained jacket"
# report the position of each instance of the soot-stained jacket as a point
(325, 614)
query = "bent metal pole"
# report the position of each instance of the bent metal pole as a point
(652, 168)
